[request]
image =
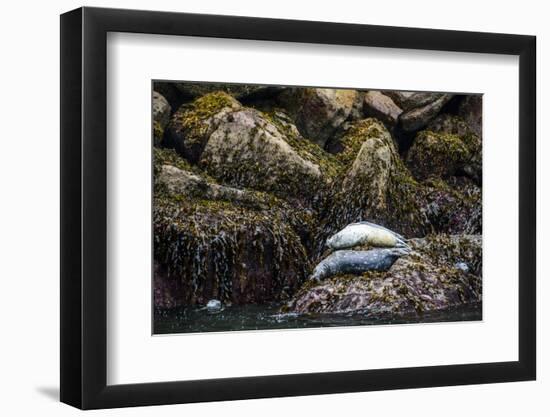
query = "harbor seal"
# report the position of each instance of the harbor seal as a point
(365, 233)
(357, 262)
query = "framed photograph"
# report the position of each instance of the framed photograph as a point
(257, 208)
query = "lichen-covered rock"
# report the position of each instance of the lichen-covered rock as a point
(377, 186)
(244, 147)
(442, 155)
(191, 126)
(381, 107)
(471, 110)
(419, 116)
(248, 149)
(441, 272)
(183, 182)
(318, 112)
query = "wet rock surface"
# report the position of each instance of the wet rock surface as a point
(430, 278)
(251, 181)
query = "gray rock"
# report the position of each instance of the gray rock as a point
(408, 100)
(181, 182)
(377, 186)
(247, 149)
(192, 124)
(318, 112)
(381, 107)
(418, 117)
(161, 109)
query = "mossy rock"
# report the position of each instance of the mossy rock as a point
(428, 279)
(215, 241)
(376, 185)
(192, 124)
(207, 249)
(437, 155)
(456, 125)
(247, 149)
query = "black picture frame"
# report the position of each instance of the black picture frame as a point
(84, 207)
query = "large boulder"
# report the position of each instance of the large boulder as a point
(376, 185)
(214, 241)
(441, 272)
(419, 116)
(207, 249)
(381, 107)
(247, 149)
(244, 147)
(192, 124)
(318, 112)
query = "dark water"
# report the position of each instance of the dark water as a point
(266, 317)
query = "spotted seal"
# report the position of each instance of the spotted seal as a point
(365, 233)
(357, 262)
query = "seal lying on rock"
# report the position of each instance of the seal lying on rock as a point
(357, 262)
(365, 233)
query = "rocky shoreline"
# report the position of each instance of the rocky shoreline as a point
(250, 182)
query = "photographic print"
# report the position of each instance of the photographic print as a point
(281, 207)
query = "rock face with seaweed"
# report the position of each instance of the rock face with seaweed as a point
(441, 271)
(251, 181)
